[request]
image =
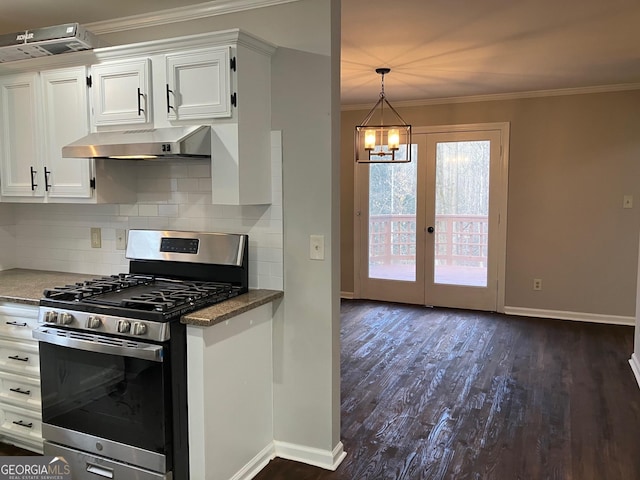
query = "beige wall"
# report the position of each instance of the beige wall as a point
(572, 159)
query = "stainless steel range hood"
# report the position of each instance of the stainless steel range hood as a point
(172, 142)
(69, 37)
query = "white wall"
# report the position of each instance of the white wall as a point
(7, 237)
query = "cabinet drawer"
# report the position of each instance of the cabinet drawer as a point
(20, 423)
(18, 328)
(20, 391)
(20, 358)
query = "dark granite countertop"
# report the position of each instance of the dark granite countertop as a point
(220, 312)
(26, 286)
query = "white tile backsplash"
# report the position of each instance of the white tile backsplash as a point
(171, 195)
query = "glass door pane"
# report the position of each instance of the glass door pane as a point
(462, 213)
(392, 220)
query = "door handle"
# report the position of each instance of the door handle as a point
(18, 358)
(46, 179)
(140, 109)
(431, 229)
(33, 179)
(19, 390)
(16, 324)
(169, 106)
(20, 423)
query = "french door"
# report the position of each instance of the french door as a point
(433, 231)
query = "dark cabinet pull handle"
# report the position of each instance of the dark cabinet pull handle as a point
(22, 424)
(16, 324)
(140, 109)
(169, 106)
(18, 358)
(19, 390)
(431, 229)
(33, 179)
(46, 179)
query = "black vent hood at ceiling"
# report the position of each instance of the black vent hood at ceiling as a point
(171, 142)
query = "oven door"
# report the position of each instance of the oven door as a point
(106, 396)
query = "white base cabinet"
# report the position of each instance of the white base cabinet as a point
(230, 395)
(20, 399)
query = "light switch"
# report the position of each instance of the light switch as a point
(316, 247)
(96, 238)
(627, 201)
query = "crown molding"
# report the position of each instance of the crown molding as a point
(180, 14)
(505, 96)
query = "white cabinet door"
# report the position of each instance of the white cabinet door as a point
(121, 93)
(20, 160)
(198, 84)
(66, 119)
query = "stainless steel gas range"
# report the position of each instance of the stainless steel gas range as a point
(113, 354)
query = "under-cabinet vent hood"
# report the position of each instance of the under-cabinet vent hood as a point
(148, 144)
(41, 42)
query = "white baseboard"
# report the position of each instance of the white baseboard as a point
(329, 460)
(576, 316)
(256, 464)
(348, 295)
(634, 361)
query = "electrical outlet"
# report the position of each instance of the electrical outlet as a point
(316, 247)
(537, 284)
(121, 239)
(627, 201)
(96, 238)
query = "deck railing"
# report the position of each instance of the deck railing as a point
(459, 239)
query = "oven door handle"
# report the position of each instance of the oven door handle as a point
(100, 344)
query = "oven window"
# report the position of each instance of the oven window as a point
(113, 397)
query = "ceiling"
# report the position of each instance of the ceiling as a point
(437, 48)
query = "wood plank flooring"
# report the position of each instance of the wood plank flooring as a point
(7, 450)
(451, 394)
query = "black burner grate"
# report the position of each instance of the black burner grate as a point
(142, 292)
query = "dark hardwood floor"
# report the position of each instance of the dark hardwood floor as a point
(451, 394)
(7, 450)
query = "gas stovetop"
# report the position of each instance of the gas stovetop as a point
(139, 296)
(171, 273)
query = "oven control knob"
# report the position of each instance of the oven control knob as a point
(123, 326)
(138, 328)
(65, 318)
(51, 317)
(93, 322)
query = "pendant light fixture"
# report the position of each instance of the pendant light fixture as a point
(380, 142)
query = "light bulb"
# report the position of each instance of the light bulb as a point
(369, 139)
(394, 139)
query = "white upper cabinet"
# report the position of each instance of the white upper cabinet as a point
(40, 113)
(218, 79)
(20, 158)
(198, 84)
(121, 92)
(66, 118)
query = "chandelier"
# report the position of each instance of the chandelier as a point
(380, 142)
